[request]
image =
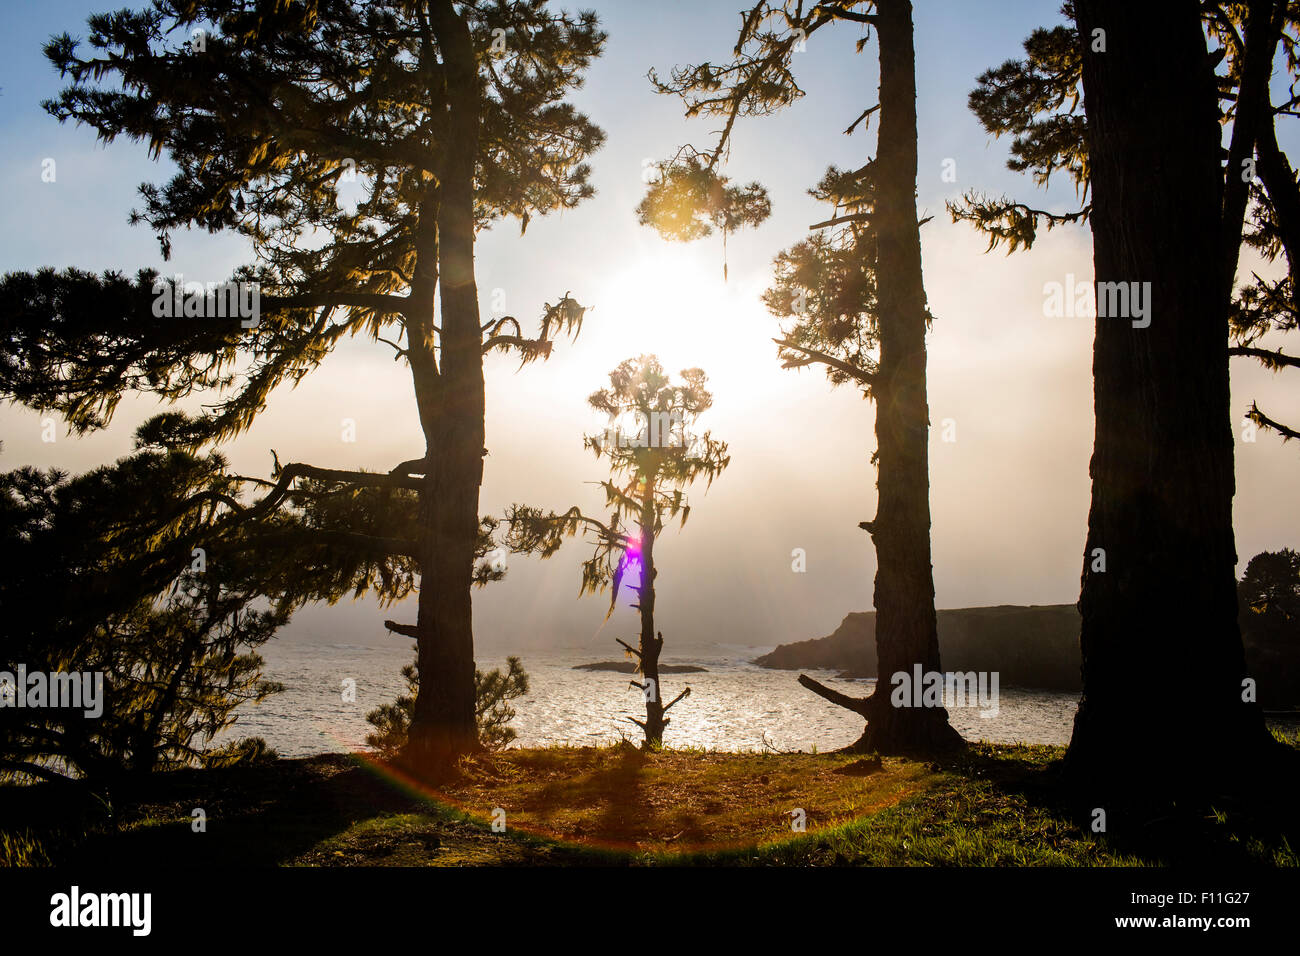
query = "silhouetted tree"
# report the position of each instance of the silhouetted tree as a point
(1269, 597)
(653, 458)
(855, 301)
(108, 573)
(1158, 597)
(1160, 616)
(450, 116)
(1037, 101)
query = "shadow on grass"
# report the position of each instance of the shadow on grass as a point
(619, 789)
(989, 806)
(255, 816)
(1246, 819)
(330, 810)
(1011, 806)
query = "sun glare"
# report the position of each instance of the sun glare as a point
(671, 300)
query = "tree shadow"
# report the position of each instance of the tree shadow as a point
(615, 801)
(619, 789)
(254, 816)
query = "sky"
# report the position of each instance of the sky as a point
(1010, 386)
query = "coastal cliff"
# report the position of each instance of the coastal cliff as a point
(1036, 646)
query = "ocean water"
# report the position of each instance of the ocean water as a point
(733, 706)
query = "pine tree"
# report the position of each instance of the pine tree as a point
(451, 117)
(855, 302)
(653, 458)
(1269, 597)
(167, 610)
(1038, 102)
(1158, 598)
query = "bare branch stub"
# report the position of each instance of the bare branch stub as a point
(859, 705)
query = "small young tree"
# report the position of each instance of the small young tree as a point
(493, 691)
(653, 457)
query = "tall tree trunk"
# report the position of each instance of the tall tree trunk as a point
(1163, 665)
(906, 628)
(651, 643)
(443, 723)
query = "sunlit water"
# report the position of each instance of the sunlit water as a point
(733, 706)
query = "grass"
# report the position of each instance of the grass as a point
(994, 805)
(980, 811)
(672, 800)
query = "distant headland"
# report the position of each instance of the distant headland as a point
(1035, 646)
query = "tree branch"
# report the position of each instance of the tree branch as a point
(685, 693)
(406, 630)
(369, 479)
(351, 539)
(851, 217)
(861, 375)
(376, 301)
(859, 705)
(1262, 30)
(1263, 421)
(416, 466)
(839, 13)
(505, 341)
(1273, 360)
(396, 348)
(865, 113)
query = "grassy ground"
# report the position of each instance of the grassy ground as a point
(674, 800)
(619, 806)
